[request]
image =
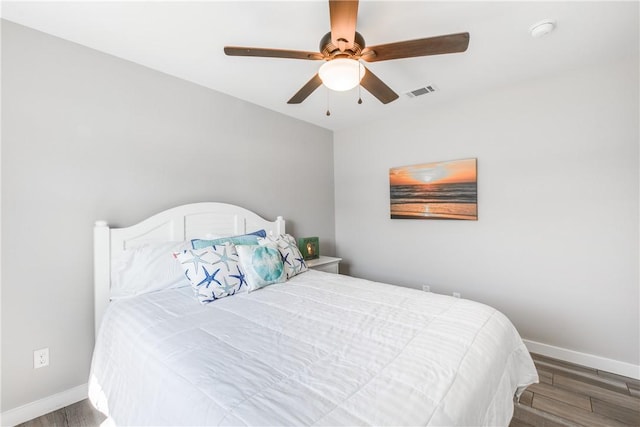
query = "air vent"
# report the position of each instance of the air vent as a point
(422, 91)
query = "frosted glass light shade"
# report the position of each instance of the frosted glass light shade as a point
(341, 74)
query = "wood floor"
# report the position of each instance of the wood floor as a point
(81, 414)
(567, 395)
(572, 395)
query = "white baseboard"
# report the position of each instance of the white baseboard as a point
(589, 360)
(43, 406)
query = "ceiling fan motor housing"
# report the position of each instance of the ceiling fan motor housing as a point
(331, 51)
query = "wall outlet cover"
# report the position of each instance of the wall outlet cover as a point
(41, 358)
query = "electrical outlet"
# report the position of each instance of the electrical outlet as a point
(41, 358)
(456, 294)
(426, 288)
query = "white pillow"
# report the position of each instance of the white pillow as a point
(147, 268)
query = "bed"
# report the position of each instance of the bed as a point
(316, 349)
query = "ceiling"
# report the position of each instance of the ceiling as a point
(185, 39)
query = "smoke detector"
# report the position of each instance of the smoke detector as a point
(542, 28)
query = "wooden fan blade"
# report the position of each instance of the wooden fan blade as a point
(306, 90)
(271, 53)
(343, 15)
(377, 87)
(422, 47)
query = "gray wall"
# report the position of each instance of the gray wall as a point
(88, 136)
(556, 243)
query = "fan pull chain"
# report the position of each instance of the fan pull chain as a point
(359, 85)
(328, 112)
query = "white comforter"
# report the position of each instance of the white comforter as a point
(320, 349)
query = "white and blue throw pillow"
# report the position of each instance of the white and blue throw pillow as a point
(214, 272)
(291, 256)
(262, 265)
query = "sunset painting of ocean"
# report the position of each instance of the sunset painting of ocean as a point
(444, 190)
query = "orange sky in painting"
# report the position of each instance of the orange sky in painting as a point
(434, 173)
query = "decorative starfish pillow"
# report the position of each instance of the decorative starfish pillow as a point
(291, 257)
(262, 265)
(214, 271)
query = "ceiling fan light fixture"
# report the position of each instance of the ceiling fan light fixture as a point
(341, 74)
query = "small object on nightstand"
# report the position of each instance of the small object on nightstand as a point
(327, 264)
(309, 247)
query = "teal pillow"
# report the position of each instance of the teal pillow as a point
(291, 257)
(262, 265)
(244, 239)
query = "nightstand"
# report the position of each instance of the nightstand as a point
(325, 263)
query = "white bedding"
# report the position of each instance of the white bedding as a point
(320, 349)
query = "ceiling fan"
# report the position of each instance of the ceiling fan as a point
(344, 47)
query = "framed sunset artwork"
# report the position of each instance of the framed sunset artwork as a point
(443, 190)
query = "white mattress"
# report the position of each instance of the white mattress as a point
(320, 349)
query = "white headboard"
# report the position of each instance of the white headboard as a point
(181, 223)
